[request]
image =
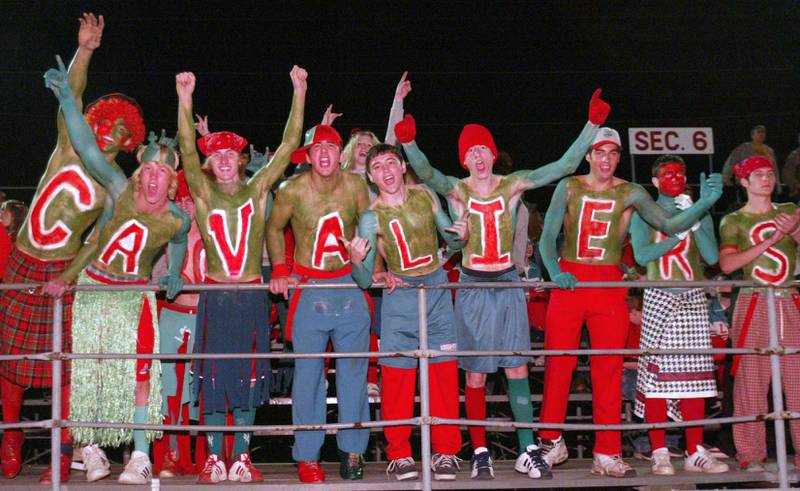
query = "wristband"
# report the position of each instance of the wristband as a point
(280, 270)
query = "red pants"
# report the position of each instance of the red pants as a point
(606, 314)
(397, 402)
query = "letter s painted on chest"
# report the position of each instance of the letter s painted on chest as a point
(71, 179)
(326, 241)
(590, 227)
(780, 272)
(232, 256)
(128, 242)
(489, 213)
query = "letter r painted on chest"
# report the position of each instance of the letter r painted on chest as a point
(71, 179)
(590, 227)
(232, 255)
(326, 240)
(489, 213)
(675, 257)
(127, 242)
(403, 247)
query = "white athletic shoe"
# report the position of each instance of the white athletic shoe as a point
(532, 463)
(661, 465)
(611, 465)
(213, 471)
(554, 452)
(702, 461)
(138, 471)
(373, 390)
(96, 463)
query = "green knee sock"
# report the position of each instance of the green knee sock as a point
(139, 436)
(214, 438)
(241, 439)
(519, 396)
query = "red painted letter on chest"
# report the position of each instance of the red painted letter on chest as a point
(489, 215)
(71, 179)
(677, 257)
(780, 272)
(406, 261)
(589, 227)
(326, 242)
(232, 255)
(128, 242)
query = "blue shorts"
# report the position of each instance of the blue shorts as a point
(400, 320)
(491, 320)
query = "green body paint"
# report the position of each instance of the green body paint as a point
(491, 225)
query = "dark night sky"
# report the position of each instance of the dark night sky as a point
(525, 69)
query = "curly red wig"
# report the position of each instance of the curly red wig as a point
(119, 106)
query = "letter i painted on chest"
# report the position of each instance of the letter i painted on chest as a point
(128, 242)
(232, 256)
(590, 227)
(406, 261)
(489, 213)
(326, 242)
(72, 180)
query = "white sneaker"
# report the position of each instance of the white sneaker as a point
(373, 390)
(703, 461)
(96, 463)
(554, 452)
(213, 471)
(661, 465)
(611, 465)
(138, 471)
(532, 463)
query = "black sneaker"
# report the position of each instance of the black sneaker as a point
(481, 464)
(402, 469)
(444, 466)
(532, 463)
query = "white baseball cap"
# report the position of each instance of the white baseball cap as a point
(606, 135)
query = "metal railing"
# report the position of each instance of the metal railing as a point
(424, 354)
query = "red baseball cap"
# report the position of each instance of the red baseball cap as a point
(319, 133)
(606, 135)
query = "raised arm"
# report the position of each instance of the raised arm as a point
(176, 251)
(397, 111)
(363, 249)
(184, 86)
(406, 132)
(553, 221)
(645, 251)
(89, 36)
(267, 175)
(710, 191)
(81, 136)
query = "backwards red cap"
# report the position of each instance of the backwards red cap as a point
(221, 140)
(474, 134)
(319, 133)
(748, 165)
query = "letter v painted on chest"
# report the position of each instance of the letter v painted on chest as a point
(232, 256)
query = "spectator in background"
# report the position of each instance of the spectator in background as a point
(12, 214)
(756, 146)
(791, 173)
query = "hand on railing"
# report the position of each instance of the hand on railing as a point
(55, 288)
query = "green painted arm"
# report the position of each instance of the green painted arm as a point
(367, 229)
(434, 178)
(707, 241)
(645, 251)
(454, 243)
(78, 75)
(658, 218)
(562, 167)
(292, 133)
(190, 158)
(553, 221)
(82, 138)
(173, 281)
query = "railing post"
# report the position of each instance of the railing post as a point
(777, 390)
(424, 390)
(55, 404)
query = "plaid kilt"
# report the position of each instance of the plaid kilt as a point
(26, 321)
(675, 321)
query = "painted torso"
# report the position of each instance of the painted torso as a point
(743, 230)
(682, 262)
(319, 218)
(131, 239)
(595, 223)
(491, 225)
(407, 234)
(232, 227)
(67, 202)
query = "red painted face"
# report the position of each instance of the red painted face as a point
(110, 136)
(671, 179)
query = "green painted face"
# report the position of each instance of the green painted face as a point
(741, 230)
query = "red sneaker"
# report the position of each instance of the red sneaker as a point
(310, 472)
(11, 453)
(213, 471)
(243, 471)
(170, 466)
(47, 476)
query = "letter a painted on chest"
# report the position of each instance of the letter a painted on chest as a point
(589, 227)
(326, 242)
(232, 255)
(488, 213)
(73, 180)
(406, 261)
(780, 272)
(677, 257)
(128, 242)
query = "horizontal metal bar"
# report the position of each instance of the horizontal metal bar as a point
(20, 425)
(162, 427)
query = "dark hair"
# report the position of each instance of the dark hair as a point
(18, 210)
(758, 127)
(382, 148)
(503, 165)
(664, 159)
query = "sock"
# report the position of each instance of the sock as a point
(655, 411)
(693, 408)
(214, 438)
(475, 402)
(519, 396)
(12, 400)
(241, 439)
(139, 436)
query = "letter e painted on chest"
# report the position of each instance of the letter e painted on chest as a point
(590, 227)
